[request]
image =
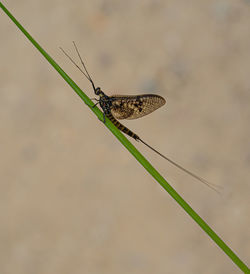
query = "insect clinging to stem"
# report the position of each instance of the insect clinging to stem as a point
(130, 107)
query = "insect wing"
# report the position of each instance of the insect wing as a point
(133, 107)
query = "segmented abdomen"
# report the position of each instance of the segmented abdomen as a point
(121, 127)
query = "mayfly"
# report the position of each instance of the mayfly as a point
(130, 107)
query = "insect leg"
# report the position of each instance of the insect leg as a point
(95, 105)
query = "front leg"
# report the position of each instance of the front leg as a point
(95, 105)
(98, 101)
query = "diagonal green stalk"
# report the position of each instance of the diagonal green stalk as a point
(140, 158)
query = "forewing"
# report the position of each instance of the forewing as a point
(133, 107)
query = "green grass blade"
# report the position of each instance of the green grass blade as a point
(140, 158)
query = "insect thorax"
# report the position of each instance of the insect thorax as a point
(105, 102)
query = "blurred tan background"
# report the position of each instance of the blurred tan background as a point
(72, 199)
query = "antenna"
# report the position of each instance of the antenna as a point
(86, 74)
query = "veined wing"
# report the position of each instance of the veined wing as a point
(133, 107)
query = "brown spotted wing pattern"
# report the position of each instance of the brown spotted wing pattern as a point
(133, 107)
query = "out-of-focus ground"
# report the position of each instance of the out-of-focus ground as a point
(72, 199)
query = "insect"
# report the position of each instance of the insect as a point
(130, 107)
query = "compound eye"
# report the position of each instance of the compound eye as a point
(97, 91)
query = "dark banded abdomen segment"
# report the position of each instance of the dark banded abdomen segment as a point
(122, 127)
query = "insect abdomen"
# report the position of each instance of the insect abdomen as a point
(122, 127)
